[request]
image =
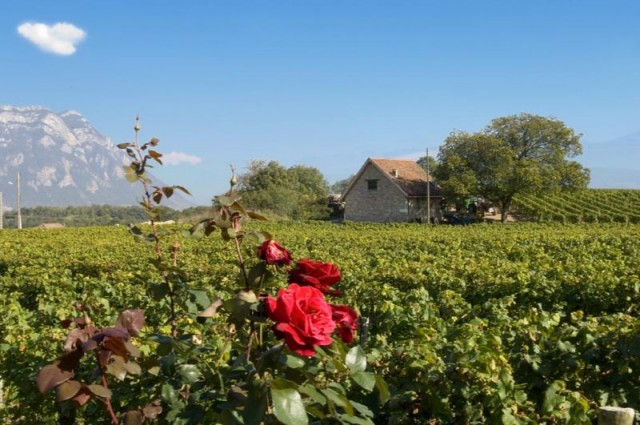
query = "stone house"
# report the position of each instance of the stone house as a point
(391, 190)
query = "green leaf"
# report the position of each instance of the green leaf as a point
(293, 362)
(288, 406)
(256, 216)
(339, 399)
(362, 409)
(383, 389)
(312, 392)
(130, 174)
(256, 404)
(169, 394)
(256, 273)
(190, 373)
(356, 420)
(280, 384)
(200, 297)
(224, 201)
(366, 380)
(356, 359)
(552, 398)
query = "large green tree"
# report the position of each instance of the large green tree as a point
(513, 155)
(298, 192)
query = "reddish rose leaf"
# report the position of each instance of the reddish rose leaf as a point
(117, 368)
(51, 376)
(116, 346)
(69, 361)
(152, 410)
(103, 357)
(82, 398)
(133, 417)
(67, 390)
(132, 349)
(99, 390)
(132, 320)
(75, 339)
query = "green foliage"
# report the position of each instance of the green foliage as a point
(523, 324)
(196, 361)
(428, 163)
(582, 206)
(297, 192)
(535, 322)
(514, 155)
(341, 186)
(95, 215)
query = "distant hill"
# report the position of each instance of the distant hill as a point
(63, 161)
(614, 164)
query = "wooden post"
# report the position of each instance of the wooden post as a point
(18, 207)
(428, 190)
(616, 416)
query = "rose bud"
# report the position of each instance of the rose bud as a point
(274, 254)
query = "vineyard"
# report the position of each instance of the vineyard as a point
(521, 324)
(584, 206)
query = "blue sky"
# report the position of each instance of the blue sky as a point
(324, 83)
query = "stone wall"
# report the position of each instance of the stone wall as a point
(418, 210)
(386, 204)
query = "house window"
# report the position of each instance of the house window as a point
(372, 184)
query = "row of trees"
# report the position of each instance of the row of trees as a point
(96, 215)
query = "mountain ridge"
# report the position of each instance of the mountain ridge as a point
(63, 161)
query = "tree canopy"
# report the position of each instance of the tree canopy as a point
(513, 155)
(298, 192)
(428, 164)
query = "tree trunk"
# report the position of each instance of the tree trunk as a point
(504, 210)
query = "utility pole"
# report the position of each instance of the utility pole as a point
(428, 190)
(18, 203)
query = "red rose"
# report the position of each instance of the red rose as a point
(271, 252)
(303, 318)
(317, 274)
(346, 321)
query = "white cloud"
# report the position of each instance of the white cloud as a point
(60, 38)
(175, 158)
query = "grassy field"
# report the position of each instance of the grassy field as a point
(521, 323)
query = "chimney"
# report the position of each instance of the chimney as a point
(394, 173)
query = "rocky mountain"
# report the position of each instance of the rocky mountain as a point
(62, 160)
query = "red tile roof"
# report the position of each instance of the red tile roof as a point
(408, 175)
